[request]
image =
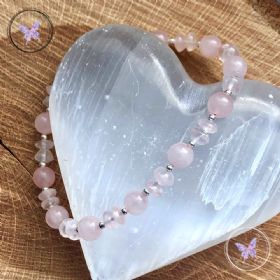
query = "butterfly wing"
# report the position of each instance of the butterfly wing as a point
(35, 26)
(243, 249)
(24, 29)
(240, 247)
(253, 243)
(252, 248)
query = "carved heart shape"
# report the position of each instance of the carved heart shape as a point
(119, 100)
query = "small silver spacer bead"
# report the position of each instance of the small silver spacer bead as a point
(123, 211)
(212, 117)
(145, 191)
(42, 163)
(169, 167)
(43, 136)
(192, 144)
(102, 225)
(228, 92)
(45, 188)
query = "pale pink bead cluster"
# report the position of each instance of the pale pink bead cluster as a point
(179, 155)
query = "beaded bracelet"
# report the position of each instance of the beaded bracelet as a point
(179, 155)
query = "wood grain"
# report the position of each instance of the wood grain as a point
(29, 249)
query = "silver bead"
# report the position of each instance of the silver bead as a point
(192, 144)
(42, 164)
(212, 117)
(169, 167)
(228, 92)
(43, 136)
(123, 211)
(102, 225)
(146, 192)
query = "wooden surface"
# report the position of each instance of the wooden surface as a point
(29, 249)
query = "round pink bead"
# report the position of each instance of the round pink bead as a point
(235, 66)
(163, 36)
(220, 104)
(118, 217)
(88, 228)
(135, 203)
(180, 155)
(180, 43)
(55, 215)
(42, 123)
(210, 45)
(163, 177)
(43, 177)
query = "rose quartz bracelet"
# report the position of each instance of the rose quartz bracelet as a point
(179, 155)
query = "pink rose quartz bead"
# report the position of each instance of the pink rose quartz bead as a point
(163, 36)
(235, 66)
(154, 188)
(135, 203)
(45, 194)
(220, 104)
(68, 229)
(210, 46)
(55, 215)
(163, 177)
(43, 177)
(180, 155)
(88, 228)
(49, 202)
(179, 43)
(207, 126)
(42, 123)
(118, 217)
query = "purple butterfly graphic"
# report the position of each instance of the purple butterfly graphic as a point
(31, 33)
(249, 251)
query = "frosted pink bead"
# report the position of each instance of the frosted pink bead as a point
(163, 177)
(45, 194)
(191, 41)
(68, 229)
(118, 217)
(49, 202)
(235, 66)
(180, 43)
(180, 155)
(42, 123)
(88, 228)
(163, 36)
(135, 203)
(220, 104)
(43, 177)
(210, 45)
(55, 215)
(207, 126)
(48, 89)
(228, 50)
(154, 188)
(109, 220)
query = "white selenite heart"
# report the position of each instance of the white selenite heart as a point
(120, 98)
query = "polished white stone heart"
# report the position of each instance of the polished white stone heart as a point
(120, 98)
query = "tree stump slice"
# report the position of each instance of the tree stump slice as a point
(29, 249)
